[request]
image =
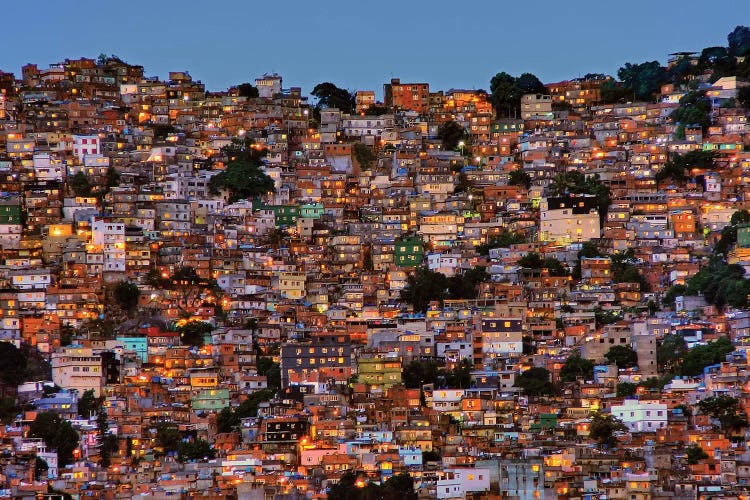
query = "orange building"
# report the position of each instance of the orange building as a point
(411, 96)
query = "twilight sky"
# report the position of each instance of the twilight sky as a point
(360, 44)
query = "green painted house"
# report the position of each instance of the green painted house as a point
(210, 400)
(311, 210)
(285, 215)
(408, 252)
(10, 211)
(743, 235)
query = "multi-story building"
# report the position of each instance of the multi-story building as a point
(77, 368)
(407, 96)
(569, 219)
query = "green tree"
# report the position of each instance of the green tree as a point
(458, 377)
(612, 92)
(349, 487)
(695, 454)
(576, 366)
(416, 373)
(79, 184)
(88, 404)
(695, 109)
(423, 287)
(364, 155)
(270, 369)
(576, 182)
(702, 356)
(622, 355)
(519, 177)
(113, 177)
(57, 434)
(168, 437)
(506, 91)
(531, 260)
(12, 368)
(645, 78)
(675, 168)
(671, 352)
(126, 294)
(626, 389)
(331, 96)
(243, 179)
(738, 41)
(727, 410)
(553, 266)
(194, 332)
(535, 382)
(466, 284)
(504, 240)
(198, 450)
(162, 130)
(247, 90)
(603, 427)
(528, 83)
(451, 133)
(41, 467)
(505, 94)
(721, 284)
(743, 96)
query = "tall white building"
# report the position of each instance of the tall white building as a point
(77, 368)
(108, 238)
(641, 416)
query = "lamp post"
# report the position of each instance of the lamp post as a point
(461, 145)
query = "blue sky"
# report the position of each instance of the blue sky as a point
(360, 45)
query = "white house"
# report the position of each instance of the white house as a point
(84, 145)
(445, 263)
(641, 416)
(109, 237)
(457, 482)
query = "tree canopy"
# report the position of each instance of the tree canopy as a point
(425, 286)
(126, 294)
(701, 356)
(738, 41)
(535, 261)
(417, 373)
(194, 332)
(676, 167)
(198, 450)
(644, 79)
(451, 133)
(243, 179)
(726, 409)
(694, 110)
(57, 434)
(622, 355)
(603, 427)
(364, 155)
(506, 91)
(576, 182)
(247, 90)
(535, 382)
(721, 284)
(519, 177)
(576, 366)
(331, 96)
(12, 366)
(350, 487)
(80, 184)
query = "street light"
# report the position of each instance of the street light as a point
(461, 145)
